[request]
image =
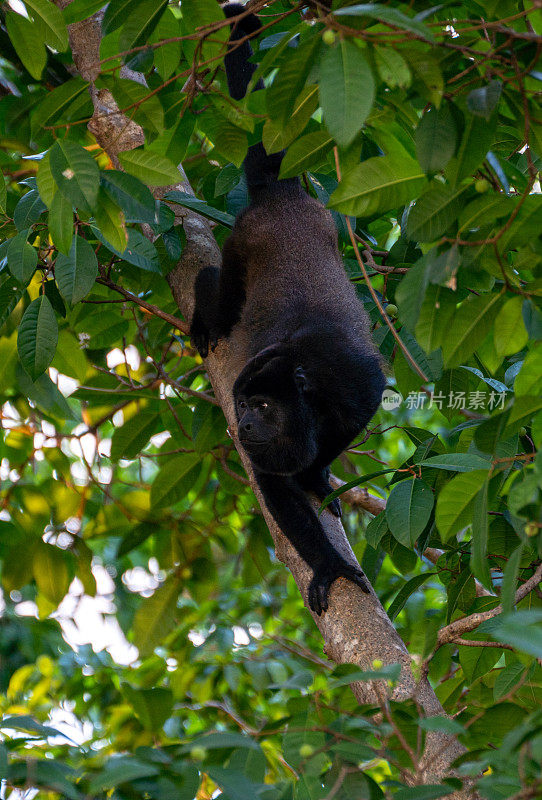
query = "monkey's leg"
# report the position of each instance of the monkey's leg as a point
(293, 513)
(316, 479)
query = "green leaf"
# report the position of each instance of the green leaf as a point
(76, 174)
(507, 678)
(150, 168)
(110, 220)
(167, 56)
(203, 208)
(131, 438)
(436, 139)
(28, 210)
(480, 523)
(376, 530)
(22, 258)
(386, 14)
(522, 629)
(392, 67)
(51, 573)
(131, 195)
(79, 10)
(404, 593)
(456, 462)
(27, 40)
(529, 379)
(510, 579)
(45, 181)
(119, 770)
(435, 315)
(308, 151)
(44, 393)
(61, 222)
(156, 616)
(174, 480)
(408, 510)
(199, 14)
(54, 28)
(346, 90)
(276, 136)
(56, 101)
(484, 101)
(455, 502)
(227, 139)
(139, 23)
(428, 72)
(478, 136)
(477, 661)
(471, 324)
(10, 294)
(509, 333)
(3, 194)
(377, 185)
(152, 706)
(75, 273)
(291, 78)
(37, 338)
(434, 212)
(139, 251)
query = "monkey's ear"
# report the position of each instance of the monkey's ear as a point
(301, 379)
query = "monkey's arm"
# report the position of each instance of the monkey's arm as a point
(220, 295)
(293, 513)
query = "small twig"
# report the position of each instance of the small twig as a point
(180, 324)
(455, 630)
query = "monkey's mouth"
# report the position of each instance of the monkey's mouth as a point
(253, 444)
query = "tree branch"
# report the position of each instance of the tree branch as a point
(456, 629)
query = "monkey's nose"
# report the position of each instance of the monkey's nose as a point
(245, 429)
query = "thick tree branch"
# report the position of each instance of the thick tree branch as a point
(356, 628)
(452, 632)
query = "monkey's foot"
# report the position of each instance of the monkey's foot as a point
(325, 574)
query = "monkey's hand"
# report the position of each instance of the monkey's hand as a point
(203, 337)
(325, 573)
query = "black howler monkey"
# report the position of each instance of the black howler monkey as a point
(313, 379)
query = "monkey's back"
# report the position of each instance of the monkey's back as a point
(294, 270)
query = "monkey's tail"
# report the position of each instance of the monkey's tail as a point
(261, 169)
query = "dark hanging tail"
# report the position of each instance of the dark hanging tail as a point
(261, 170)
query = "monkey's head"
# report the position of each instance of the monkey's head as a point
(276, 422)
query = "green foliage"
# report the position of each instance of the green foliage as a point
(123, 498)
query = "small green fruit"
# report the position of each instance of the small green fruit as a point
(482, 185)
(377, 664)
(198, 753)
(186, 573)
(523, 431)
(391, 310)
(306, 750)
(531, 529)
(328, 36)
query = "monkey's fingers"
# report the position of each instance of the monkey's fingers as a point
(323, 578)
(335, 508)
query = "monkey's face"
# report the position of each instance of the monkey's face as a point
(278, 433)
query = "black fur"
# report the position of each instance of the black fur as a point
(313, 379)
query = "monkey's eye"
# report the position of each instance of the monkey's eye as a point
(262, 405)
(242, 405)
